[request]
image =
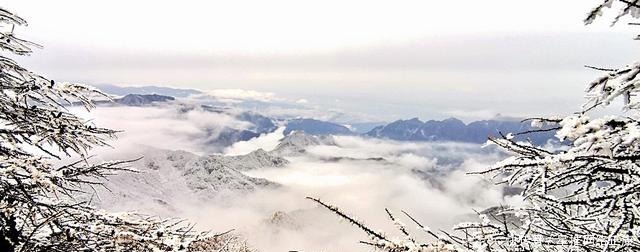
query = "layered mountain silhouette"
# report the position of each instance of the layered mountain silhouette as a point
(316, 127)
(455, 130)
(134, 100)
(142, 99)
(166, 91)
(414, 129)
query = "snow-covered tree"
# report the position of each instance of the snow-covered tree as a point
(584, 197)
(38, 211)
(383, 242)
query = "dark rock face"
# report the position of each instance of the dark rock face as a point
(142, 99)
(316, 127)
(228, 136)
(261, 124)
(455, 130)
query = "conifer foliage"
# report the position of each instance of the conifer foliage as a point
(38, 211)
(583, 197)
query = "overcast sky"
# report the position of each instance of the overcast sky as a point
(431, 59)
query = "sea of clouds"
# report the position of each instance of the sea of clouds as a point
(362, 176)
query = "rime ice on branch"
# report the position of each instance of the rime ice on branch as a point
(384, 243)
(585, 197)
(37, 208)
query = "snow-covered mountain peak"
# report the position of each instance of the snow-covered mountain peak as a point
(297, 142)
(167, 178)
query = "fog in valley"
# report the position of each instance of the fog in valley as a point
(360, 174)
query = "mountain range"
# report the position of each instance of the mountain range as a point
(166, 91)
(142, 100)
(451, 129)
(455, 130)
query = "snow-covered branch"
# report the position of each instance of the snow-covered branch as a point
(581, 197)
(396, 244)
(38, 206)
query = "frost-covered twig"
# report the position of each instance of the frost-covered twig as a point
(384, 243)
(38, 206)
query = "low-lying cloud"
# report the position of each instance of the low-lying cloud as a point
(360, 175)
(267, 142)
(164, 127)
(364, 187)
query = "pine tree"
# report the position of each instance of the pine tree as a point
(38, 209)
(585, 197)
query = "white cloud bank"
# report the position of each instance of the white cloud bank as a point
(267, 142)
(362, 176)
(163, 127)
(364, 188)
(242, 94)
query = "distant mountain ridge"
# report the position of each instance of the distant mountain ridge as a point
(146, 90)
(453, 129)
(316, 127)
(134, 100)
(414, 129)
(143, 99)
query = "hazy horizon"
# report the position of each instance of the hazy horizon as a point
(290, 125)
(427, 59)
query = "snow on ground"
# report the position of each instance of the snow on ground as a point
(362, 176)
